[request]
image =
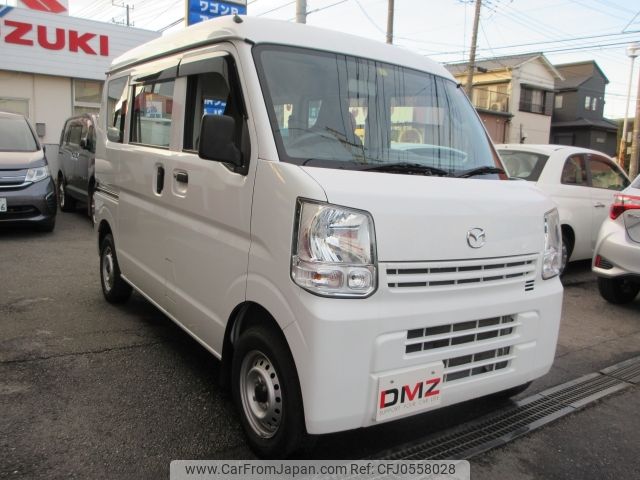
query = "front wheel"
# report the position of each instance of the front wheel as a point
(114, 288)
(267, 394)
(66, 202)
(618, 290)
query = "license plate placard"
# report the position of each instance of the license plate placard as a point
(3, 205)
(409, 391)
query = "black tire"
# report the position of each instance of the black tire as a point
(91, 206)
(263, 367)
(66, 202)
(566, 253)
(618, 290)
(114, 288)
(512, 392)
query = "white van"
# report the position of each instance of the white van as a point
(326, 215)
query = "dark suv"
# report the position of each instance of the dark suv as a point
(76, 162)
(27, 191)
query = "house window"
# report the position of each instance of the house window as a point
(15, 105)
(594, 104)
(558, 103)
(535, 100)
(587, 102)
(86, 96)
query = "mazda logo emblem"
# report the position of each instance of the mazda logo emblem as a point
(476, 237)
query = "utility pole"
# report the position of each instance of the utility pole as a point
(472, 54)
(127, 7)
(635, 148)
(632, 52)
(301, 11)
(390, 22)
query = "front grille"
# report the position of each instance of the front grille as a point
(477, 364)
(454, 334)
(12, 178)
(463, 273)
(19, 212)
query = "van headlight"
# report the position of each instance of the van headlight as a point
(37, 174)
(552, 257)
(333, 250)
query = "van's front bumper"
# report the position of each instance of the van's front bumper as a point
(343, 346)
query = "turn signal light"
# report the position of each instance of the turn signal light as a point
(622, 203)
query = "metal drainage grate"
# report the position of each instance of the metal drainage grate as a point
(526, 415)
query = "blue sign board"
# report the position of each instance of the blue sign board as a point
(214, 107)
(201, 10)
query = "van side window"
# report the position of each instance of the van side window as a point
(151, 114)
(213, 88)
(116, 109)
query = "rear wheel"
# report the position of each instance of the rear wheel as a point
(565, 253)
(91, 205)
(267, 394)
(65, 201)
(114, 288)
(618, 290)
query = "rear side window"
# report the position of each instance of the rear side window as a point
(152, 113)
(525, 165)
(16, 136)
(605, 175)
(574, 171)
(116, 109)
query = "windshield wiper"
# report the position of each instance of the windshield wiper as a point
(406, 167)
(486, 170)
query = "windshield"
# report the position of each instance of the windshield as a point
(16, 136)
(337, 111)
(525, 165)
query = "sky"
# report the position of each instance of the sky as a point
(565, 31)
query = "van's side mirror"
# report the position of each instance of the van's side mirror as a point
(84, 144)
(216, 140)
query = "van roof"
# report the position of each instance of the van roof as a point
(261, 30)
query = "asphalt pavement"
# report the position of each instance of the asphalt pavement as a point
(90, 390)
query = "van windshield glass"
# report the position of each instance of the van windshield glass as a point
(336, 111)
(16, 136)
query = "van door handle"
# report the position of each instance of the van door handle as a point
(159, 179)
(599, 205)
(181, 176)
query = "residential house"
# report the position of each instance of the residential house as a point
(513, 95)
(579, 106)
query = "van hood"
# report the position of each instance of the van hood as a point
(421, 218)
(21, 160)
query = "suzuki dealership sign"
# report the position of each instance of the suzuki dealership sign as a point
(42, 42)
(201, 10)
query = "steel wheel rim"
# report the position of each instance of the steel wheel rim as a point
(61, 193)
(261, 394)
(108, 274)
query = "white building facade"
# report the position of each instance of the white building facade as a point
(52, 66)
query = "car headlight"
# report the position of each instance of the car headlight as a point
(333, 250)
(552, 257)
(37, 174)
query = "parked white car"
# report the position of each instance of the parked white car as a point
(580, 181)
(616, 261)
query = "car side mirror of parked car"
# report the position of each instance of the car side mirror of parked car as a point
(216, 140)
